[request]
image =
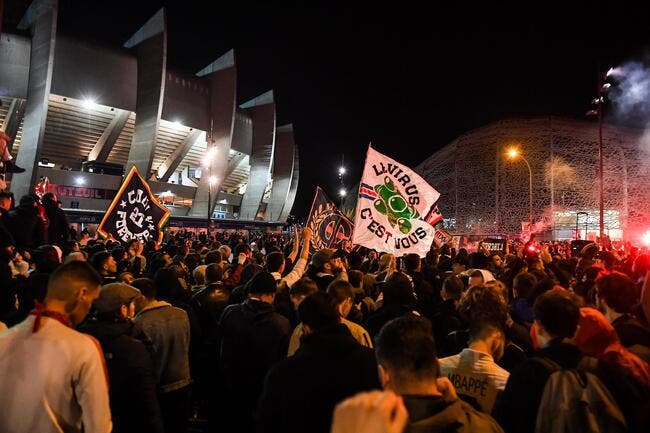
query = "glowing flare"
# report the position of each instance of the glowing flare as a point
(646, 238)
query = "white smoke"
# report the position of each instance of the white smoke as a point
(630, 94)
(630, 99)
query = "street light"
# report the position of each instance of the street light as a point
(210, 154)
(514, 153)
(212, 181)
(599, 102)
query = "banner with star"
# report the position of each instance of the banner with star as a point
(134, 213)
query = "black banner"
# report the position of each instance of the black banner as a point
(134, 213)
(329, 225)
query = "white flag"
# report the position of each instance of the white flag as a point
(393, 200)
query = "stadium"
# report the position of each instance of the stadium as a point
(485, 192)
(83, 114)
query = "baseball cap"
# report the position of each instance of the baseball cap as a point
(112, 296)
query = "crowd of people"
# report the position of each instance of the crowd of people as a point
(259, 333)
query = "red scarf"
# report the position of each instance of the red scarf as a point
(39, 312)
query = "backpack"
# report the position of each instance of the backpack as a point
(575, 401)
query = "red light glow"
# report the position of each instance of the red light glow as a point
(646, 238)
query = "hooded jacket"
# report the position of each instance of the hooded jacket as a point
(253, 338)
(132, 390)
(300, 392)
(625, 375)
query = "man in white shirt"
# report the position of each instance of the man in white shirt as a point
(53, 377)
(474, 372)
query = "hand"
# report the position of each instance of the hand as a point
(447, 389)
(370, 412)
(241, 258)
(307, 233)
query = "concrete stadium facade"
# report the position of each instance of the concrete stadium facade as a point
(68, 102)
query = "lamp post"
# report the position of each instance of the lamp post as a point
(586, 222)
(514, 153)
(212, 180)
(599, 103)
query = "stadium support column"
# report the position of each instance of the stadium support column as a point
(282, 172)
(104, 145)
(262, 112)
(150, 45)
(41, 20)
(222, 74)
(169, 165)
(293, 188)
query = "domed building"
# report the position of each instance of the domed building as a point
(484, 184)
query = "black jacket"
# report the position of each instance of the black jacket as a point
(26, 227)
(382, 316)
(428, 297)
(58, 230)
(445, 321)
(631, 331)
(253, 339)
(132, 390)
(208, 304)
(300, 392)
(516, 410)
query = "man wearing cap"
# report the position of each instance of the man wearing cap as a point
(254, 337)
(133, 399)
(326, 266)
(53, 377)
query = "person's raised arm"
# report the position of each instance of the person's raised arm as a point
(296, 245)
(300, 265)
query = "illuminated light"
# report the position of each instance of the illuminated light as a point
(341, 171)
(606, 86)
(531, 248)
(80, 180)
(89, 103)
(342, 192)
(210, 154)
(213, 180)
(177, 124)
(610, 72)
(646, 238)
(512, 153)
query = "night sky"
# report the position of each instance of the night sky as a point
(405, 78)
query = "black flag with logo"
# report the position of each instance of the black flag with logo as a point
(329, 225)
(134, 213)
